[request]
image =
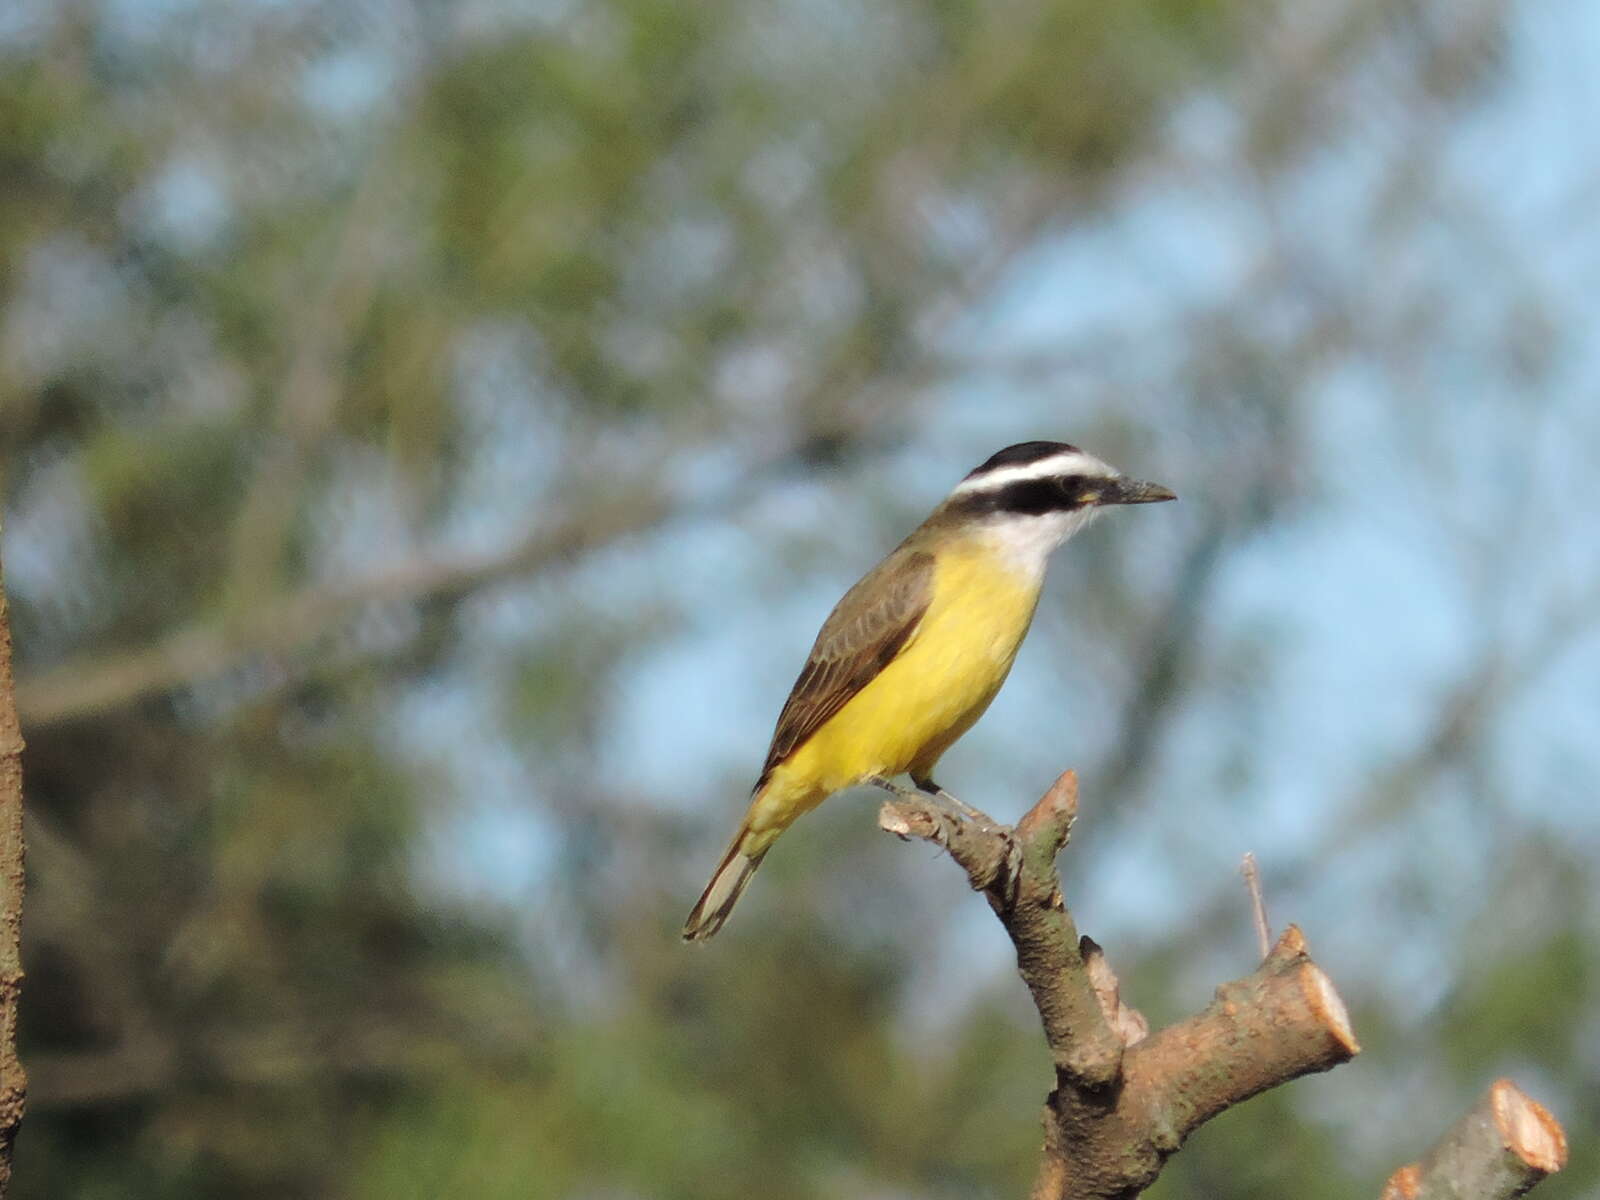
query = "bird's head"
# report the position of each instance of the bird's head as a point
(1035, 495)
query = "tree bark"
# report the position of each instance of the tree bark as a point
(1505, 1145)
(1124, 1101)
(13, 1081)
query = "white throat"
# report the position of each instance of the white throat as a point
(1025, 543)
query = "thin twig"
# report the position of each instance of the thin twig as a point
(1258, 906)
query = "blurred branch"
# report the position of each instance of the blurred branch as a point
(1502, 1148)
(13, 1080)
(1172, 643)
(1124, 1101)
(273, 1057)
(102, 682)
(310, 389)
(1462, 714)
(68, 908)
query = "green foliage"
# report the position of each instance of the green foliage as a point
(715, 1087)
(1251, 1150)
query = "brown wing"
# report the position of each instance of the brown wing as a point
(861, 636)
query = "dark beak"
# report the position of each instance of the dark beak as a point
(1133, 491)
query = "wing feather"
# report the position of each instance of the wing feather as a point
(867, 629)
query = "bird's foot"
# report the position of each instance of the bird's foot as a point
(962, 809)
(890, 786)
(986, 849)
(958, 810)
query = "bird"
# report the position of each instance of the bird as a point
(913, 654)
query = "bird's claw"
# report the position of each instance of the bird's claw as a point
(957, 810)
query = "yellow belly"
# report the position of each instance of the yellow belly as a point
(918, 705)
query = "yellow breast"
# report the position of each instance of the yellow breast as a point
(941, 682)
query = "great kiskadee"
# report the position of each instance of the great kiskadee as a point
(916, 650)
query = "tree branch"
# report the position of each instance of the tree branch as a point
(1015, 869)
(1505, 1145)
(13, 1081)
(100, 682)
(1125, 1101)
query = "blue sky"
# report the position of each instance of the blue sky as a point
(1375, 592)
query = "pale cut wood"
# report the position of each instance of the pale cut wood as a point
(1504, 1146)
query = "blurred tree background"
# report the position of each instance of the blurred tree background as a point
(433, 430)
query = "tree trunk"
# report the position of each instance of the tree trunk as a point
(13, 1081)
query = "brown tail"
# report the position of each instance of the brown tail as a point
(723, 892)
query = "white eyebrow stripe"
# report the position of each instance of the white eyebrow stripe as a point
(1043, 468)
